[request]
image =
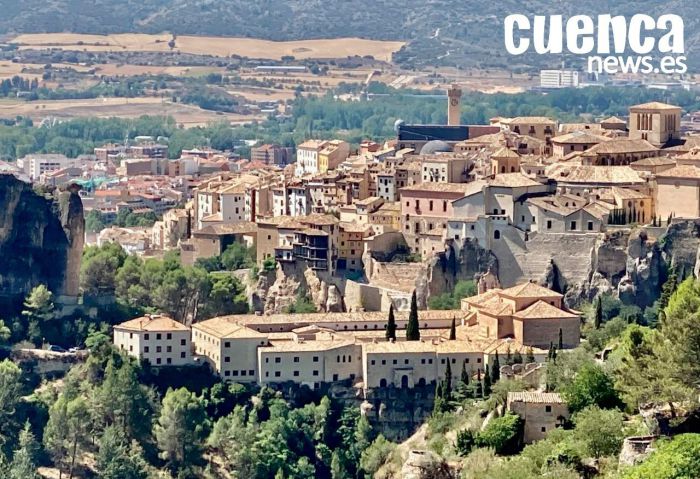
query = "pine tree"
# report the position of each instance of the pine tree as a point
(530, 358)
(412, 329)
(487, 382)
(598, 315)
(25, 458)
(496, 369)
(561, 339)
(453, 329)
(391, 325)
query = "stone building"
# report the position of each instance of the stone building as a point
(658, 123)
(529, 313)
(158, 339)
(542, 413)
(678, 192)
(229, 348)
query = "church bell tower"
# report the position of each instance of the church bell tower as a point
(454, 98)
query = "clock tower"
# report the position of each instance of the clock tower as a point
(454, 98)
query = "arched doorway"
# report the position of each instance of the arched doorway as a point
(404, 381)
(382, 383)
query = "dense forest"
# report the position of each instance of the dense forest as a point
(326, 117)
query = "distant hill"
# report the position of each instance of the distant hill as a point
(440, 32)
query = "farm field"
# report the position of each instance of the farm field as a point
(217, 46)
(186, 115)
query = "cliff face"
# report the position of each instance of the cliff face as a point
(630, 263)
(41, 241)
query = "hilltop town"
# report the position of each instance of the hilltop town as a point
(407, 279)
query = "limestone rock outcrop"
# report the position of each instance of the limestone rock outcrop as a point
(41, 241)
(425, 465)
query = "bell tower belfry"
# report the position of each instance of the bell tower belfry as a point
(454, 98)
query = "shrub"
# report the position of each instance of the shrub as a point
(502, 434)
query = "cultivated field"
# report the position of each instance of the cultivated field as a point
(187, 115)
(217, 46)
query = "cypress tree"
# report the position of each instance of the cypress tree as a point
(496, 369)
(391, 325)
(479, 387)
(561, 339)
(530, 358)
(487, 382)
(453, 330)
(551, 349)
(517, 358)
(554, 354)
(598, 315)
(509, 358)
(412, 330)
(464, 377)
(448, 381)
(439, 403)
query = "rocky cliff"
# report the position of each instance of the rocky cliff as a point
(273, 292)
(41, 241)
(631, 263)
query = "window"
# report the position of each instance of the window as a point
(296, 374)
(169, 361)
(158, 361)
(372, 362)
(430, 205)
(454, 360)
(228, 373)
(548, 408)
(430, 361)
(405, 361)
(544, 429)
(335, 377)
(146, 337)
(169, 336)
(227, 359)
(278, 360)
(277, 374)
(251, 372)
(183, 342)
(395, 361)
(227, 344)
(590, 226)
(422, 361)
(315, 359)
(168, 349)
(444, 206)
(496, 234)
(314, 372)
(442, 361)
(383, 362)
(296, 359)
(549, 224)
(158, 336)
(573, 225)
(183, 354)
(159, 349)
(235, 372)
